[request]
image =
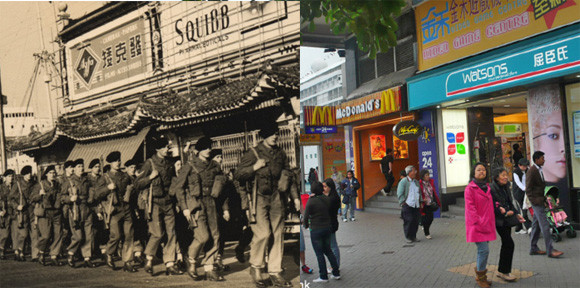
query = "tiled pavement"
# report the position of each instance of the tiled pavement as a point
(374, 254)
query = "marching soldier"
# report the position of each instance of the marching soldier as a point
(75, 193)
(5, 211)
(112, 189)
(100, 235)
(196, 196)
(156, 179)
(62, 179)
(223, 209)
(19, 201)
(264, 164)
(139, 223)
(46, 196)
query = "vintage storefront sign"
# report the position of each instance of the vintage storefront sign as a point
(448, 30)
(113, 56)
(408, 130)
(376, 104)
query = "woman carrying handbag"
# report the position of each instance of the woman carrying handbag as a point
(430, 202)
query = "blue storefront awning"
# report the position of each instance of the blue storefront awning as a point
(550, 55)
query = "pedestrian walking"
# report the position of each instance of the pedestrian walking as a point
(139, 222)
(75, 193)
(264, 165)
(350, 185)
(47, 212)
(312, 176)
(156, 181)
(430, 201)
(517, 156)
(337, 177)
(479, 220)
(112, 190)
(504, 208)
(387, 170)
(329, 191)
(535, 186)
(409, 194)
(519, 193)
(317, 218)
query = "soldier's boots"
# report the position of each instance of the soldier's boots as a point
(55, 262)
(42, 260)
(257, 277)
(70, 261)
(149, 266)
(139, 261)
(128, 267)
(2, 255)
(192, 272)
(110, 262)
(279, 281)
(240, 255)
(214, 276)
(172, 270)
(89, 264)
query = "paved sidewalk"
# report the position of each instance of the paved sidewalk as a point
(374, 254)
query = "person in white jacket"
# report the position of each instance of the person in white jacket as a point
(519, 191)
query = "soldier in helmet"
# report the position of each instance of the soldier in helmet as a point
(156, 178)
(75, 193)
(47, 195)
(264, 165)
(20, 203)
(196, 197)
(112, 190)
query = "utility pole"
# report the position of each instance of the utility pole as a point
(3, 164)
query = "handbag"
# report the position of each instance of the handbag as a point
(345, 199)
(433, 206)
(509, 221)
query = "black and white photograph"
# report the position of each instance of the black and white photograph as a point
(150, 144)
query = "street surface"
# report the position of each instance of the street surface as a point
(374, 254)
(28, 274)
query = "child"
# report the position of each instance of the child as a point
(559, 214)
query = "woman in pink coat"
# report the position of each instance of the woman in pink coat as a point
(479, 219)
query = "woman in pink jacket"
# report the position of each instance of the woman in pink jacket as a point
(480, 219)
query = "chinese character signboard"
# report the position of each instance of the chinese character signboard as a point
(107, 58)
(376, 104)
(453, 29)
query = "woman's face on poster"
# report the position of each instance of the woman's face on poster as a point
(551, 142)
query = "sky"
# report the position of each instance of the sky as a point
(20, 38)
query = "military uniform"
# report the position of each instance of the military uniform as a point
(100, 234)
(51, 222)
(162, 209)
(200, 174)
(81, 221)
(5, 221)
(269, 207)
(139, 222)
(121, 213)
(21, 224)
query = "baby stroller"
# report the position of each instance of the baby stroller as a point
(557, 218)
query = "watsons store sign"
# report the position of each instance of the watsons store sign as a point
(370, 106)
(522, 64)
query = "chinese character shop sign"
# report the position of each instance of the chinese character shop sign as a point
(107, 60)
(453, 29)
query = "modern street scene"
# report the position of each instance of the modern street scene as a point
(440, 143)
(150, 144)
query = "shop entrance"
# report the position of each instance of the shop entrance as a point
(498, 130)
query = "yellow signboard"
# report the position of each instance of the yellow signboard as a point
(376, 104)
(309, 139)
(448, 30)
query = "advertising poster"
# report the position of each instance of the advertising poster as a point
(428, 150)
(577, 134)
(547, 131)
(456, 147)
(333, 154)
(400, 148)
(378, 147)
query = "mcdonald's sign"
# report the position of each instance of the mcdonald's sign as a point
(320, 119)
(376, 104)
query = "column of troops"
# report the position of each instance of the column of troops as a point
(131, 213)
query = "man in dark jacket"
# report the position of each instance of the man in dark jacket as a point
(20, 202)
(5, 211)
(156, 177)
(535, 186)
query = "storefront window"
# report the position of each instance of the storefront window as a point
(573, 114)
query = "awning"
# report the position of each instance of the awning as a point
(127, 146)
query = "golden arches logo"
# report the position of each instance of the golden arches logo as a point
(322, 116)
(389, 101)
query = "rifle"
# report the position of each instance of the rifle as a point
(109, 208)
(75, 211)
(20, 216)
(2, 224)
(150, 196)
(192, 220)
